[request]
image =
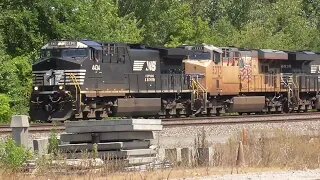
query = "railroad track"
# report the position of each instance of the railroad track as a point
(197, 121)
(240, 120)
(41, 127)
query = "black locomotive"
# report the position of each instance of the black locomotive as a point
(87, 79)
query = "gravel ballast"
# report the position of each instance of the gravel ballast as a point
(184, 136)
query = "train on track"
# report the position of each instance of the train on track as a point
(92, 80)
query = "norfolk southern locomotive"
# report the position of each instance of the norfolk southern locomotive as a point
(87, 79)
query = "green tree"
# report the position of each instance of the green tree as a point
(100, 20)
(15, 82)
(167, 22)
(5, 111)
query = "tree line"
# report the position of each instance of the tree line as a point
(27, 25)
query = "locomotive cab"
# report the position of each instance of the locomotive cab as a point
(58, 77)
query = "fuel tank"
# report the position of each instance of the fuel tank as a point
(138, 106)
(247, 104)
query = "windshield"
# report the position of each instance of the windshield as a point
(64, 53)
(74, 53)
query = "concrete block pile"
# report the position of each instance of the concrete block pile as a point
(127, 140)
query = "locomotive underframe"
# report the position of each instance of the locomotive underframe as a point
(62, 105)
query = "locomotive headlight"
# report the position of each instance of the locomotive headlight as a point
(36, 88)
(60, 87)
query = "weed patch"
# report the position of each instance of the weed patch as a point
(12, 156)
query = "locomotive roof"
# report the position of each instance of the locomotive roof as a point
(72, 44)
(272, 54)
(304, 56)
(175, 53)
(92, 44)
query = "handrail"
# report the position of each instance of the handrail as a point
(196, 86)
(76, 85)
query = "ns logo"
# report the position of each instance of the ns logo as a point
(139, 65)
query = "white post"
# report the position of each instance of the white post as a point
(20, 134)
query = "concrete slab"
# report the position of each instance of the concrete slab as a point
(19, 121)
(186, 157)
(172, 155)
(80, 163)
(122, 154)
(161, 154)
(20, 130)
(105, 146)
(41, 146)
(108, 136)
(91, 129)
(204, 156)
(112, 122)
(139, 160)
(131, 161)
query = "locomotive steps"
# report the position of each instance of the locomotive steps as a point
(127, 140)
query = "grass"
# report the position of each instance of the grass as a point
(263, 151)
(173, 173)
(281, 150)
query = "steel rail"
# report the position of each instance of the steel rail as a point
(240, 117)
(41, 127)
(225, 121)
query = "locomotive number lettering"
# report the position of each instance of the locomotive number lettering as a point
(149, 78)
(286, 66)
(96, 67)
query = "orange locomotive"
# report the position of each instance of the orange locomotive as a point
(255, 81)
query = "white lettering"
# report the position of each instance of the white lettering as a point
(149, 78)
(151, 65)
(96, 67)
(286, 66)
(139, 65)
(315, 69)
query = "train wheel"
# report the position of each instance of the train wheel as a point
(218, 111)
(85, 115)
(98, 115)
(178, 113)
(286, 108)
(208, 112)
(73, 117)
(114, 111)
(167, 113)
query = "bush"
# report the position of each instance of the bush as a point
(53, 143)
(5, 112)
(13, 156)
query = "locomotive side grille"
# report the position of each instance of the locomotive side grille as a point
(59, 77)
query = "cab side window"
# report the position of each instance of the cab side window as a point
(217, 57)
(95, 55)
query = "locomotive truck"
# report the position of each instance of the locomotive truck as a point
(87, 79)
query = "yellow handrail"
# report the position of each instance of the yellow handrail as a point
(76, 85)
(196, 86)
